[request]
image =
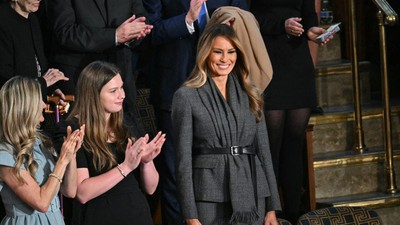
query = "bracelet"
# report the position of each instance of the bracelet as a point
(121, 171)
(55, 176)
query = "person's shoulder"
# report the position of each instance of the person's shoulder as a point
(5, 147)
(4, 6)
(184, 90)
(183, 95)
(7, 153)
(5, 10)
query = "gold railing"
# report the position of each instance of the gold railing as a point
(386, 16)
(390, 15)
(359, 144)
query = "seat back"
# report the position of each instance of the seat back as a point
(341, 215)
(283, 222)
(145, 111)
(54, 112)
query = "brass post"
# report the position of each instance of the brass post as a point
(359, 145)
(390, 173)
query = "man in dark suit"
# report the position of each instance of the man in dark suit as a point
(174, 38)
(90, 30)
(108, 30)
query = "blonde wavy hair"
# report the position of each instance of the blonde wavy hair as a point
(198, 76)
(89, 111)
(21, 108)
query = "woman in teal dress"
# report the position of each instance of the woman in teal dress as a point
(30, 175)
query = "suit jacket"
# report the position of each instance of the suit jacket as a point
(174, 47)
(85, 32)
(198, 124)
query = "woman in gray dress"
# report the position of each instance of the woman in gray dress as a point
(29, 175)
(224, 168)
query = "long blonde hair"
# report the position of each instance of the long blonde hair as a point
(89, 111)
(21, 108)
(198, 76)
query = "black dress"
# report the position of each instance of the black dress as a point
(124, 204)
(293, 81)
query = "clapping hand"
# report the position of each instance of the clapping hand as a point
(153, 148)
(81, 136)
(133, 152)
(133, 29)
(72, 143)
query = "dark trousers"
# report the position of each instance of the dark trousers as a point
(170, 208)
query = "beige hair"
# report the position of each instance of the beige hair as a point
(89, 111)
(21, 108)
(198, 76)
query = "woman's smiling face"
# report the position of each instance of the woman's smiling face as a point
(222, 57)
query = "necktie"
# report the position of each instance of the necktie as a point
(203, 17)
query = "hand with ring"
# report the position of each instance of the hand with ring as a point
(293, 26)
(52, 76)
(133, 153)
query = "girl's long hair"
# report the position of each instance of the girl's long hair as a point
(21, 107)
(198, 76)
(89, 111)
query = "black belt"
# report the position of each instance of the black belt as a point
(233, 150)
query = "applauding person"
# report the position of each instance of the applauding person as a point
(31, 173)
(114, 167)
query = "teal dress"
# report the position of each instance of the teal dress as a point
(17, 211)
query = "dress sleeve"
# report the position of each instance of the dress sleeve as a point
(309, 15)
(271, 22)
(183, 142)
(6, 157)
(81, 159)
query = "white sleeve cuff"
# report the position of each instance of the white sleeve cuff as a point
(190, 28)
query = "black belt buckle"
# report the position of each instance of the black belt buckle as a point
(235, 150)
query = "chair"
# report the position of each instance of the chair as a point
(55, 112)
(53, 105)
(145, 111)
(283, 222)
(343, 215)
